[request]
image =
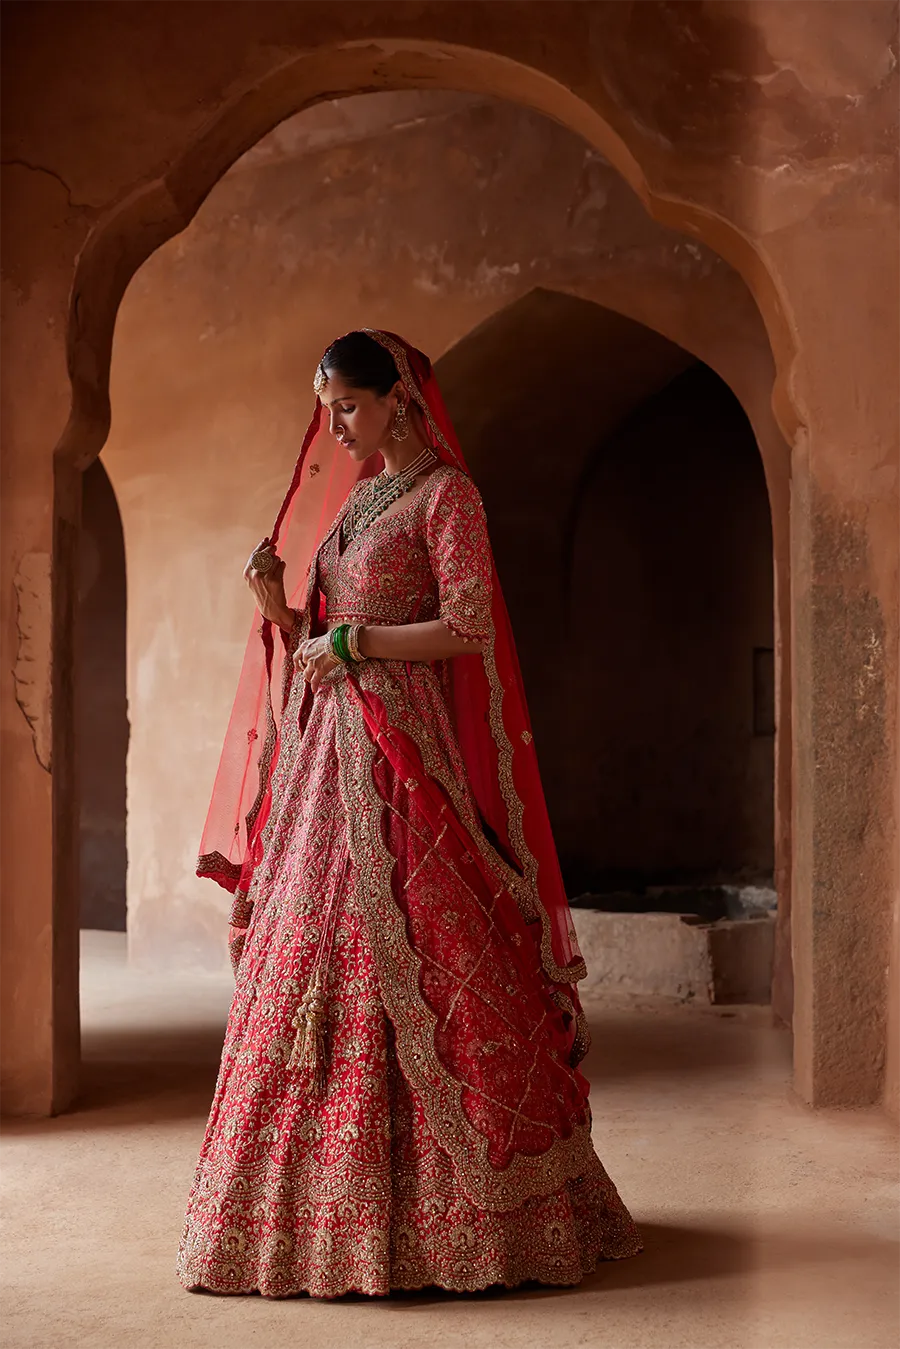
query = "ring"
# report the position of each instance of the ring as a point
(262, 561)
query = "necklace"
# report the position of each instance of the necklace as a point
(373, 496)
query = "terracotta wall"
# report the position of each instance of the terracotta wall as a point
(766, 132)
(216, 341)
(102, 719)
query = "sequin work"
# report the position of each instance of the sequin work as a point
(450, 1144)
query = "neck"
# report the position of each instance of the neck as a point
(398, 454)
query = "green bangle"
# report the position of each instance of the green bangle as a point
(339, 642)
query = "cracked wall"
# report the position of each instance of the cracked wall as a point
(33, 658)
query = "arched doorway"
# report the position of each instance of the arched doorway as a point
(108, 279)
(102, 718)
(219, 326)
(631, 521)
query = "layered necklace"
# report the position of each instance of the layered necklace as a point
(374, 495)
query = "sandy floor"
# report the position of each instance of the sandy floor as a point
(766, 1227)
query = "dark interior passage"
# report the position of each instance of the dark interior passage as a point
(631, 523)
(101, 712)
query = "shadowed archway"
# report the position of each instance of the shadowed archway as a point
(632, 528)
(102, 715)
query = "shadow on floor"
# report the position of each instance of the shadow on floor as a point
(137, 1076)
(627, 1044)
(670, 1255)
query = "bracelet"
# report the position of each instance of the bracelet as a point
(337, 643)
(343, 643)
(353, 642)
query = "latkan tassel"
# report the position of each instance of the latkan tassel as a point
(308, 1052)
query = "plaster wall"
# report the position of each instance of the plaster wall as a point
(766, 130)
(413, 212)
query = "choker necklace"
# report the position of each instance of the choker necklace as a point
(374, 495)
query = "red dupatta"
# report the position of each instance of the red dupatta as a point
(486, 691)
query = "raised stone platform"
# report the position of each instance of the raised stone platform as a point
(689, 955)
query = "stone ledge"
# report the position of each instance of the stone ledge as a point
(670, 955)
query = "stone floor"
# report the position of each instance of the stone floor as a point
(766, 1227)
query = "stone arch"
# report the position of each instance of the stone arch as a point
(126, 235)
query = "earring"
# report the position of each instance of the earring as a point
(400, 428)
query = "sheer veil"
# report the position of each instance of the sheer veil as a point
(487, 697)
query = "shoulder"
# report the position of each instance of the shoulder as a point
(450, 489)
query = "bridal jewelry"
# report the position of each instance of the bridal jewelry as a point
(261, 560)
(375, 495)
(343, 643)
(400, 428)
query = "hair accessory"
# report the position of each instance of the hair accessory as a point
(320, 380)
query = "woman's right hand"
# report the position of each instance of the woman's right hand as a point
(268, 589)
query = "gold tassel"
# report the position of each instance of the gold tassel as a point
(308, 1052)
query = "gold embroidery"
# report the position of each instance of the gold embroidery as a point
(354, 1189)
(414, 1021)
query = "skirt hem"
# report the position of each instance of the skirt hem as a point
(475, 1286)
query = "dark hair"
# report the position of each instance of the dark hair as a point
(362, 362)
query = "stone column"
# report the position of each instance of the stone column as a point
(845, 540)
(39, 1052)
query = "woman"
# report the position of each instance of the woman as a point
(398, 1103)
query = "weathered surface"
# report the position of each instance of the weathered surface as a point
(31, 670)
(765, 130)
(669, 955)
(654, 955)
(658, 770)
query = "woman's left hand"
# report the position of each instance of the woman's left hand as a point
(314, 661)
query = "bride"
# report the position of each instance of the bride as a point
(399, 1102)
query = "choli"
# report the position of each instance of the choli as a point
(429, 560)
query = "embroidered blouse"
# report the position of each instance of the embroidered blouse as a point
(430, 560)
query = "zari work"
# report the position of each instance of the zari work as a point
(451, 1143)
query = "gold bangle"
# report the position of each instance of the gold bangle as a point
(353, 643)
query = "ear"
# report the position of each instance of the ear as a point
(399, 392)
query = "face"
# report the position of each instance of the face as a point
(359, 418)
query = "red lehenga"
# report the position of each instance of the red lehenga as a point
(448, 1142)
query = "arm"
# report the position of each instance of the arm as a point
(415, 641)
(432, 640)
